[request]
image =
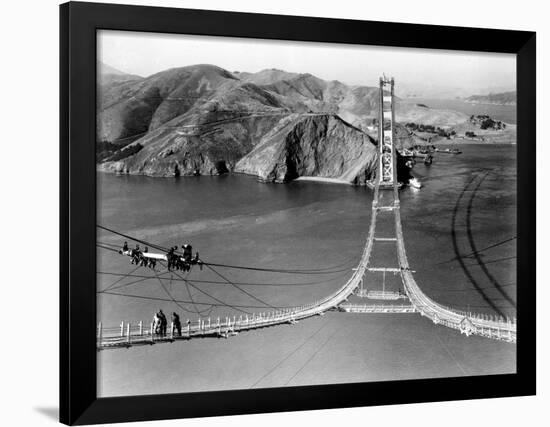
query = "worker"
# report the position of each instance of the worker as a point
(163, 323)
(170, 258)
(156, 324)
(176, 323)
(125, 247)
(143, 259)
(175, 258)
(197, 260)
(187, 252)
(136, 254)
(178, 261)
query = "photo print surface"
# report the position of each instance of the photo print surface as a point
(276, 213)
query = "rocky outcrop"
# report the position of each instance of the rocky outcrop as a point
(317, 145)
(287, 146)
(212, 149)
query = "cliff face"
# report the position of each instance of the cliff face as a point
(173, 150)
(317, 145)
(275, 148)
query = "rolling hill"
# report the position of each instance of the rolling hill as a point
(109, 75)
(203, 119)
(503, 98)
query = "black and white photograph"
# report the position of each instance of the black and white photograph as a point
(292, 213)
(277, 213)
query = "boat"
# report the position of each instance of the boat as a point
(415, 183)
(449, 151)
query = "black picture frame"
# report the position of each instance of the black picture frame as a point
(78, 370)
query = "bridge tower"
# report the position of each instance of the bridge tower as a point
(387, 175)
(382, 248)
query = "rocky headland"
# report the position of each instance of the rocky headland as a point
(503, 98)
(205, 120)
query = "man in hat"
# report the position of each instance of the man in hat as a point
(177, 324)
(163, 323)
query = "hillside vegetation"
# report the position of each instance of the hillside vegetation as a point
(203, 119)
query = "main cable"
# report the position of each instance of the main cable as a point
(218, 282)
(210, 296)
(326, 270)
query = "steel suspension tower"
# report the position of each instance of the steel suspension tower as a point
(386, 135)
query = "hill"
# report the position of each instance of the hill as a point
(504, 98)
(203, 119)
(357, 105)
(107, 75)
(317, 145)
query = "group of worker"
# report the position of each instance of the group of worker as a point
(175, 261)
(160, 324)
(183, 262)
(138, 257)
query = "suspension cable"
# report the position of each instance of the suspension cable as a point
(210, 296)
(326, 270)
(236, 307)
(274, 270)
(218, 282)
(135, 239)
(125, 285)
(120, 279)
(239, 288)
(106, 248)
(174, 300)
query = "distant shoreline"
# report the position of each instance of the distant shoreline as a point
(469, 142)
(456, 142)
(503, 104)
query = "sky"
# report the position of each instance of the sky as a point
(421, 72)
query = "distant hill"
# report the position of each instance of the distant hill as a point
(107, 75)
(357, 105)
(278, 125)
(192, 95)
(267, 76)
(504, 98)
